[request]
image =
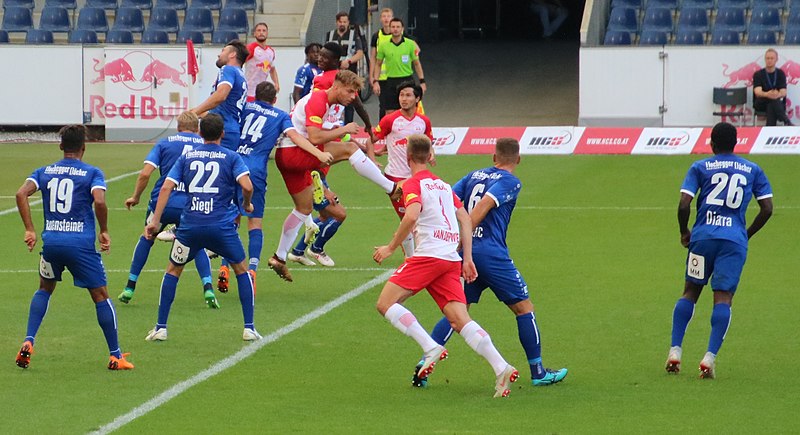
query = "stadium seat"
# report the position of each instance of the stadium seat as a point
(653, 37)
(730, 19)
(119, 37)
(792, 36)
(780, 4)
(172, 4)
(104, 4)
(198, 19)
(617, 37)
(693, 19)
(725, 37)
(793, 20)
(250, 5)
(669, 4)
(761, 37)
(740, 4)
(151, 36)
(623, 19)
(82, 36)
(90, 18)
(234, 20)
(130, 19)
(703, 4)
(3, 36)
(38, 36)
(657, 19)
(139, 4)
(66, 4)
(690, 37)
(165, 19)
(54, 19)
(223, 37)
(17, 19)
(207, 4)
(765, 18)
(29, 4)
(194, 35)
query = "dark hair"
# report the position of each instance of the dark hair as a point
(73, 137)
(398, 20)
(418, 148)
(312, 45)
(211, 127)
(342, 14)
(723, 136)
(410, 84)
(265, 91)
(241, 50)
(506, 150)
(261, 24)
(334, 48)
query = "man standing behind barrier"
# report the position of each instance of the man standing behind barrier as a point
(260, 63)
(352, 50)
(769, 90)
(399, 55)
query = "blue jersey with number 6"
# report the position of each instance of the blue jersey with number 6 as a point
(262, 124)
(726, 183)
(503, 187)
(210, 174)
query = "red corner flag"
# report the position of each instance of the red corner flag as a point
(191, 61)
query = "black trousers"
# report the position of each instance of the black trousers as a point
(775, 110)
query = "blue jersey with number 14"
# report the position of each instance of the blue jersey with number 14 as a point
(489, 237)
(726, 183)
(262, 124)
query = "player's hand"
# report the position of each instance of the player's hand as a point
(380, 151)
(105, 241)
(381, 253)
(345, 64)
(372, 136)
(325, 158)
(131, 202)
(685, 238)
(351, 128)
(468, 271)
(151, 230)
(376, 89)
(30, 239)
(248, 207)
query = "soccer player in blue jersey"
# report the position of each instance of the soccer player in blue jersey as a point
(210, 173)
(162, 157)
(230, 92)
(490, 195)
(306, 73)
(69, 187)
(724, 185)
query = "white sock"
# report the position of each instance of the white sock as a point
(291, 226)
(405, 321)
(480, 342)
(408, 245)
(367, 169)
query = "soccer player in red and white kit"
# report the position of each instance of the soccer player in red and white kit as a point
(260, 63)
(315, 117)
(439, 221)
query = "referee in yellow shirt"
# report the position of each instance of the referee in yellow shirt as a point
(400, 55)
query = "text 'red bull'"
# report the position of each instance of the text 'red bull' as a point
(146, 109)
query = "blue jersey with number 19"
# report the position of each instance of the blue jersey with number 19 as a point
(726, 182)
(163, 155)
(262, 124)
(67, 187)
(210, 174)
(503, 187)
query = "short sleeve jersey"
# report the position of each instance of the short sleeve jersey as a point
(262, 124)
(379, 38)
(489, 237)
(398, 57)
(231, 108)
(314, 110)
(769, 81)
(67, 187)
(258, 65)
(305, 77)
(210, 174)
(726, 184)
(163, 155)
(436, 233)
(395, 128)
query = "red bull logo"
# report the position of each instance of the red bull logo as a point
(154, 72)
(741, 76)
(137, 107)
(792, 71)
(118, 70)
(157, 72)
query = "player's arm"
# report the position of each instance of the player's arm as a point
(362, 113)
(152, 228)
(403, 230)
(684, 210)
(481, 209)
(373, 54)
(101, 213)
(273, 74)
(305, 145)
(296, 94)
(141, 184)
(247, 192)
(215, 99)
(27, 189)
(764, 213)
(468, 270)
(375, 75)
(420, 75)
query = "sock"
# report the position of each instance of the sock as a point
(442, 331)
(405, 322)
(291, 225)
(107, 318)
(326, 231)
(39, 304)
(480, 342)
(254, 247)
(203, 265)
(247, 298)
(140, 254)
(367, 169)
(681, 316)
(531, 342)
(301, 246)
(224, 262)
(165, 298)
(408, 245)
(720, 321)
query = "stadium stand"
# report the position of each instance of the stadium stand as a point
(92, 18)
(66, 4)
(793, 20)
(207, 4)
(223, 37)
(765, 18)
(151, 36)
(130, 19)
(653, 37)
(738, 4)
(792, 36)
(232, 19)
(103, 4)
(623, 20)
(250, 5)
(3, 36)
(693, 19)
(730, 18)
(55, 19)
(29, 4)
(17, 19)
(780, 4)
(725, 37)
(82, 36)
(139, 4)
(162, 18)
(196, 36)
(618, 37)
(38, 36)
(762, 37)
(689, 37)
(119, 37)
(179, 5)
(656, 18)
(198, 19)
(702, 4)
(672, 5)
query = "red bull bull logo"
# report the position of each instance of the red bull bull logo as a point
(741, 76)
(157, 72)
(792, 71)
(154, 71)
(118, 70)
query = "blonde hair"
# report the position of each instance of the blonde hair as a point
(418, 148)
(389, 10)
(188, 121)
(349, 79)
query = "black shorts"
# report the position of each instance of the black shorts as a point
(389, 94)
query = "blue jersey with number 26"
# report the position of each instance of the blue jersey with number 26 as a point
(489, 237)
(726, 183)
(210, 174)
(262, 124)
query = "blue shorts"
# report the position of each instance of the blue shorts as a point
(501, 276)
(258, 200)
(230, 140)
(84, 264)
(720, 260)
(171, 215)
(222, 240)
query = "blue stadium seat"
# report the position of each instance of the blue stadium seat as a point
(741, 4)
(90, 18)
(119, 37)
(172, 4)
(82, 36)
(693, 19)
(765, 18)
(761, 37)
(165, 19)
(250, 5)
(617, 37)
(130, 19)
(38, 36)
(207, 4)
(223, 36)
(194, 35)
(657, 19)
(725, 37)
(730, 19)
(234, 20)
(139, 4)
(66, 4)
(780, 4)
(792, 36)
(793, 20)
(151, 36)
(198, 19)
(623, 19)
(703, 4)
(29, 4)
(104, 4)
(653, 37)
(669, 4)
(690, 37)
(3, 36)
(54, 19)
(17, 19)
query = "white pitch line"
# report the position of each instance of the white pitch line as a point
(238, 357)
(296, 269)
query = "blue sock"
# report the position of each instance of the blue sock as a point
(442, 331)
(326, 231)
(247, 298)
(720, 321)
(224, 262)
(168, 286)
(684, 310)
(203, 265)
(140, 254)
(254, 247)
(39, 304)
(531, 342)
(107, 318)
(302, 245)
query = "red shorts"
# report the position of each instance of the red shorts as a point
(295, 165)
(399, 206)
(442, 278)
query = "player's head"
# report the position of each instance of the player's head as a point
(723, 138)
(266, 92)
(188, 121)
(386, 16)
(312, 52)
(409, 95)
(73, 138)
(211, 127)
(345, 87)
(261, 32)
(342, 22)
(506, 151)
(418, 148)
(329, 56)
(396, 27)
(234, 53)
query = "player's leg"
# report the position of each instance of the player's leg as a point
(334, 215)
(181, 253)
(38, 308)
(312, 230)
(231, 247)
(699, 265)
(400, 209)
(140, 254)
(362, 165)
(203, 265)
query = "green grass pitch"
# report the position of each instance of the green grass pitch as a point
(595, 237)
